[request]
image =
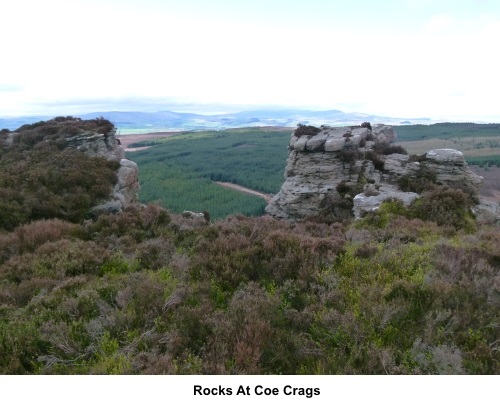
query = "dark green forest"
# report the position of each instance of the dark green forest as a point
(179, 172)
(146, 291)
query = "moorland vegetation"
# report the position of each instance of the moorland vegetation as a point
(405, 290)
(41, 178)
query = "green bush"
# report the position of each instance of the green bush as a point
(423, 180)
(446, 206)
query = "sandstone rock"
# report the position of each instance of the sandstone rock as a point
(334, 144)
(451, 169)
(109, 207)
(395, 164)
(316, 142)
(354, 140)
(128, 182)
(370, 190)
(487, 212)
(364, 203)
(300, 144)
(203, 217)
(336, 132)
(318, 165)
(384, 133)
(362, 132)
(446, 156)
(97, 145)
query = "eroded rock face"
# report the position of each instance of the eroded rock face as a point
(452, 170)
(97, 145)
(347, 166)
(107, 146)
(487, 212)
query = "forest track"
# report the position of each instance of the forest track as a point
(242, 189)
(129, 139)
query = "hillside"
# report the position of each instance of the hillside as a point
(145, 291)
(45, 174)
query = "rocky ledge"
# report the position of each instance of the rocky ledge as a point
(108, 146)
(347, 171)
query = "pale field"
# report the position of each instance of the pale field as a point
(471, 147)
(491, 182)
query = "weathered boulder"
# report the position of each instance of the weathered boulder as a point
(334, 144)
(317, 142)
(364, 203)
(445, 156)
(128, 182)
(384, 133)
(396, 164)
(451, 169)
(487, 211)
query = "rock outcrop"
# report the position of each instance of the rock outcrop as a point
(107, 146)
(351, 170)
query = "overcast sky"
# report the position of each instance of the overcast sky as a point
(399, 58)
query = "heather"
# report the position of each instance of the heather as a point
(149, 292)
(41, 178)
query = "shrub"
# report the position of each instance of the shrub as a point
(336, 207)
(387, 149)
(56, 260)
(154, 253)
(376, 159)
(417, 158)
(268, 250)
(349, 155)
(48, 183)
(29, 237)
(445, 206)
(306, 130)
(366, 125)
(424, 179)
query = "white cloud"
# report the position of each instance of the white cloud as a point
(59, 52)
(439, 23)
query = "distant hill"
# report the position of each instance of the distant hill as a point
(134, 121)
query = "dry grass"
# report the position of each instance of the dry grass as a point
(471, 147)
(491, 182)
